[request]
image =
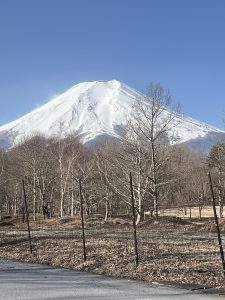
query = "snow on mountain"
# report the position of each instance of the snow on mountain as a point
(93, 109)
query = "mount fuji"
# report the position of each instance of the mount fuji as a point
(98, 110)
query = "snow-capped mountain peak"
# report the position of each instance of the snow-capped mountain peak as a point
(91, 109)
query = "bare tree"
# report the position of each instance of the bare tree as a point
(217, 162)
(65, 152)
(151, 126)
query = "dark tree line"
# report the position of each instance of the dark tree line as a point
(165, 174)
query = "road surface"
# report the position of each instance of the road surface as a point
(22, 281)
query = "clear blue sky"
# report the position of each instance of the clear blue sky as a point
(46, 46)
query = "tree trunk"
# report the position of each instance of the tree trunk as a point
(200, 212)
(106, 210)
(189, 212)
(72, 203)
(34, 197)
(220, 194)
(154, 181)
(139, 211)
(107, 202)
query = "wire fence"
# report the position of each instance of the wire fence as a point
(168, 248)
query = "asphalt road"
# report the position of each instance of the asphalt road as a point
(22, 281)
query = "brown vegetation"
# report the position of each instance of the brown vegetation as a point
(170, 249)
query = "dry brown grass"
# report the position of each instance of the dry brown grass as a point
(206, 212)
(170, 249)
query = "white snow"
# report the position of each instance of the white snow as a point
(92, 109)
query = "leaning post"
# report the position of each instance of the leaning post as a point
(27, 216)
(82, 220)
(134, 222)
(217, 223)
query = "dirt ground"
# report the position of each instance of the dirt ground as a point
(170, 248)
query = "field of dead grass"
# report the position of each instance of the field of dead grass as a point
(206, 212)
(170, 248)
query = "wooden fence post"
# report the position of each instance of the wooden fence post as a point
(217, 223)
(134, 221)
(27, 216)
(82, 220)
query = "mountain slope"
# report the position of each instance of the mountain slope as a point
(92, 109)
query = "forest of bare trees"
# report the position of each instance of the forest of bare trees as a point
(165, 174)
